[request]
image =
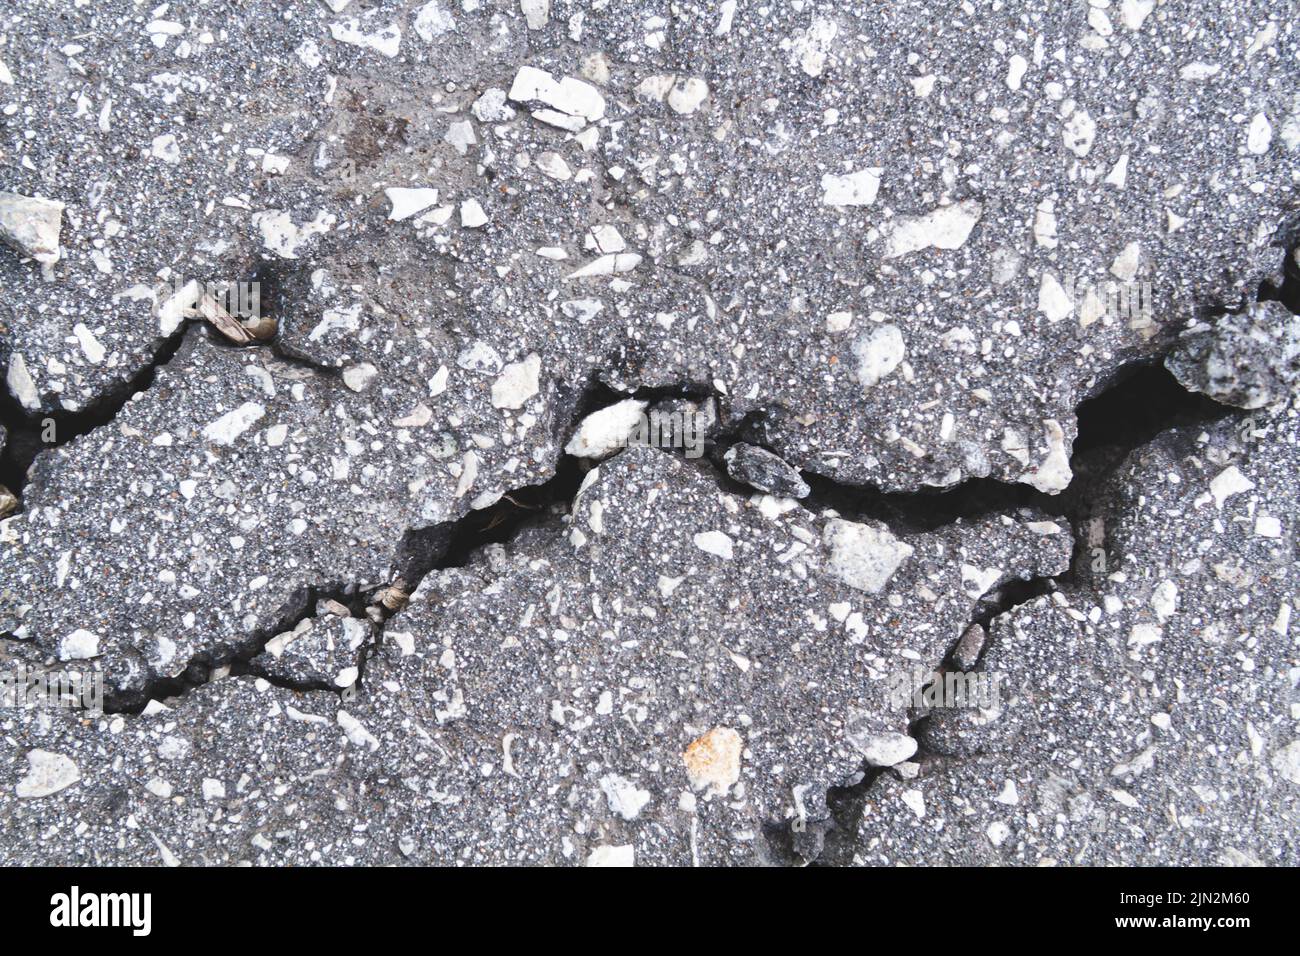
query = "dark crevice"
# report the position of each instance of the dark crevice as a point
(237, 656)
(30, 433)
(1136, 405)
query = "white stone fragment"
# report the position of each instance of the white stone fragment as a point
(31, 225)
(356, 732)
(472, 215)
(166, 148)
(605, 855)
(231, 425)
(1079, 133)
(687, 94)
(567, 95)
(861, 556)
(1053, 301)
(491, 107)
(1227, 483)
(1259, 135)
(517, 383)
(359, 377)
(407, 201)
(1285, 761)
(851, 189)
(80, 645)
(21, 384)
(715, 543)
(386, 41)
(1016, 68)
(47, 773)
(432, 21)
(608, 265)
(605, 431)
(947, 227)
(1126, 264)
(878, 352)
(713, 760)
(886, 749)
(537, 13)
(1133, 13)
(1053, 475)
(624, 797)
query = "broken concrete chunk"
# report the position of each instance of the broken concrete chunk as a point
(31, 225)
(1249, 359)
(861, 556)
(759, 468)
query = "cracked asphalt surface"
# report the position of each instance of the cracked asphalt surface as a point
(651, 415)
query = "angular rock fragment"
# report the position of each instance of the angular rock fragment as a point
(1249, 359)
(31, 225)
(759, 468)
(862, 556)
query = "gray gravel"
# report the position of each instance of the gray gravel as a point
(852, 254)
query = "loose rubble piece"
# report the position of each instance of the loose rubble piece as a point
(633, 691)
(763, 470)
(1248, 359)
(1150, 716)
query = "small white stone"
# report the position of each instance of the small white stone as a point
(1053, 301)
(624, 797)
(47, 773)
(714, 542)
(166, 148)
(861, 556)
(80, 645)
(359, 377)
(604, 855)
(432, 21)
(472, 215)
(887, 749)
(31, 225)
(687, 94)
(878, 352)
(386, 40)
(537, 13)
(1227, 483)
(852, 189)
(713, 760)
(1259, 135)
(1287, 761)
(407, 201)
(213, 789)
(947, 227)
(230, 426)
(517, 383)
(1079, 132)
